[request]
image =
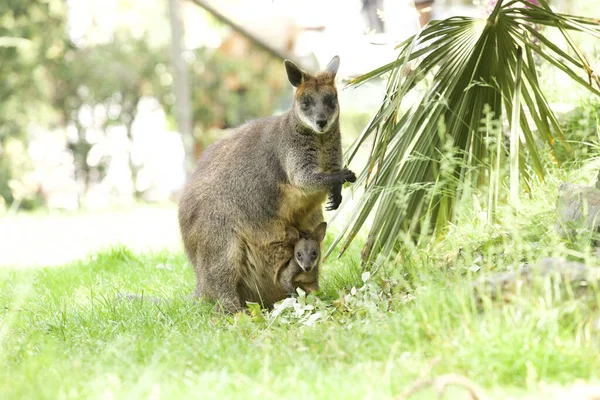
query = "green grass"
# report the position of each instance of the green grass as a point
(64, 335)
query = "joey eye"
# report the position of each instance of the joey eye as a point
(305, 105)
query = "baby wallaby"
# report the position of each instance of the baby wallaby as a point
(303, 269)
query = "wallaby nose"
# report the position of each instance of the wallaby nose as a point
(321, 123)
(306, 268)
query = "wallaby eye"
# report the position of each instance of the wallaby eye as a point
(305, 102)
(314, 253)
(330, 101)
(299, 255)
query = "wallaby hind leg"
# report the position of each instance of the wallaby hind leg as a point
(227, 299)
(228, 306)
(201, 290)
(217, 279)
(224, 279)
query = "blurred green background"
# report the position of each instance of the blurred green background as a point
(106, 104)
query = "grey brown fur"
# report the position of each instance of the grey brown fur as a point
(266, 175)
(303, 269)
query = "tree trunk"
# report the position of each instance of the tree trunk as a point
(183, 110)
(134, 169)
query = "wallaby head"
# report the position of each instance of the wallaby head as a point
(307, 249)
(315, 102)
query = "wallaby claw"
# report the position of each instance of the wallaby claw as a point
(334, 202)
(331, 206)
(335, 197)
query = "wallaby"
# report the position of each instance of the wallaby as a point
(266, 175)
(303, 269)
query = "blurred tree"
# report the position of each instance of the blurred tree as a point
(88, 86)
(230, 85)
(101, 86)
(239, 80)
(32, 34)
(183, 109)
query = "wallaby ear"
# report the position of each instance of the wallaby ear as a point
(319, 231)
(292, 233)
(333, 65)
(294, 73)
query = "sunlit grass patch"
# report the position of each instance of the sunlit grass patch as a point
(66, 334)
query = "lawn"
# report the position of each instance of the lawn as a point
(395, 330)
(65, 333)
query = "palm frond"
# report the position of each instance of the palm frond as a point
(423, 160)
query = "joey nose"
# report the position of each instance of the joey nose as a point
(321, 123)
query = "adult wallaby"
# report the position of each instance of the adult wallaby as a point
(266, 175)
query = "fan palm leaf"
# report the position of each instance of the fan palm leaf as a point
(474, 71)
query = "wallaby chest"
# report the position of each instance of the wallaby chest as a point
(296, 203)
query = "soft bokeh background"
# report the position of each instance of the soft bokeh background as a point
(103, 101)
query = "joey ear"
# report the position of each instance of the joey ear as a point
(292, 233)
(295, 75)
(333, 65)
(319, 231)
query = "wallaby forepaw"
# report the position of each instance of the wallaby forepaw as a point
(348, 176)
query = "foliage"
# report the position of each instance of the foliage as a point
(18, 186)
(582, 128)
(474, 75)
(228, 90)
(31, 37)
(106, 82)
(87, 88)
(32, 33)
(5, 177)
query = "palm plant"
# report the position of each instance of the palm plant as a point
(474, 71)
